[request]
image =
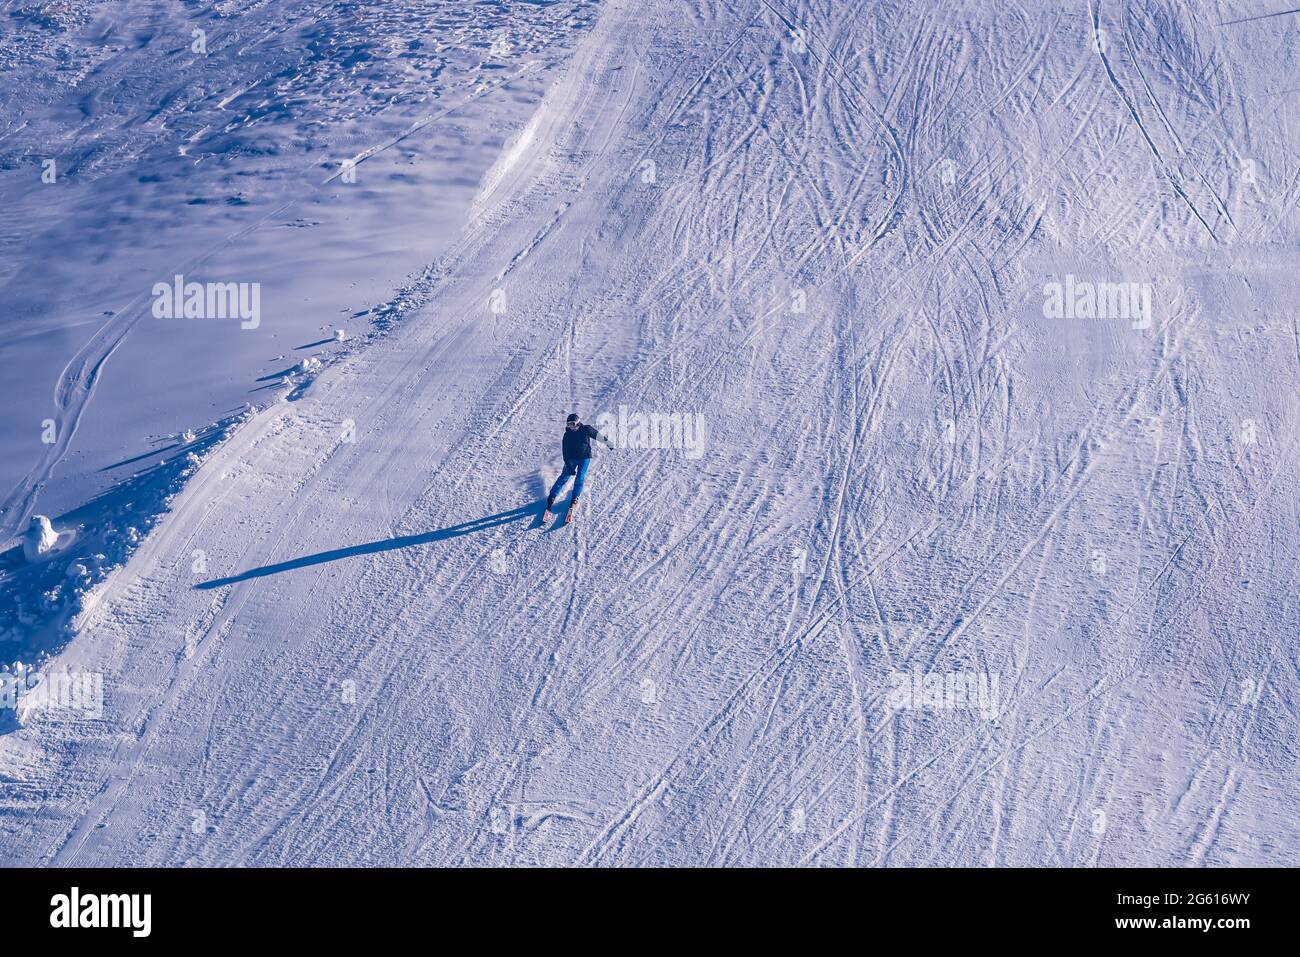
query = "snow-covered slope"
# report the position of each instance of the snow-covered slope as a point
(932, 566)
(147, 141)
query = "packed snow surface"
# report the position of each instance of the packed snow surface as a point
(950, 353)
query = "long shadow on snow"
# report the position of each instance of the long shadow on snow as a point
(384, 545)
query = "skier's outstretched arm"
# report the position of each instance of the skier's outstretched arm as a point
(595, 434)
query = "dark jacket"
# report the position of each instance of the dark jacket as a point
(577, 442)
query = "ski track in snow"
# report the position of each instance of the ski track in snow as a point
(384, 661)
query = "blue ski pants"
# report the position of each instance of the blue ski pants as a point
(578, 468)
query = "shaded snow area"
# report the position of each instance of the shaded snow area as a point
(949, 353)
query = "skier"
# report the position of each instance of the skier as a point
(577, 456)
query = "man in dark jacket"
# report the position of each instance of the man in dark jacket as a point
(577, 456)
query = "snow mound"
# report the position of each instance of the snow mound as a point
(41, 540)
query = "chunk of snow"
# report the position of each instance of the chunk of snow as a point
(40, 539)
